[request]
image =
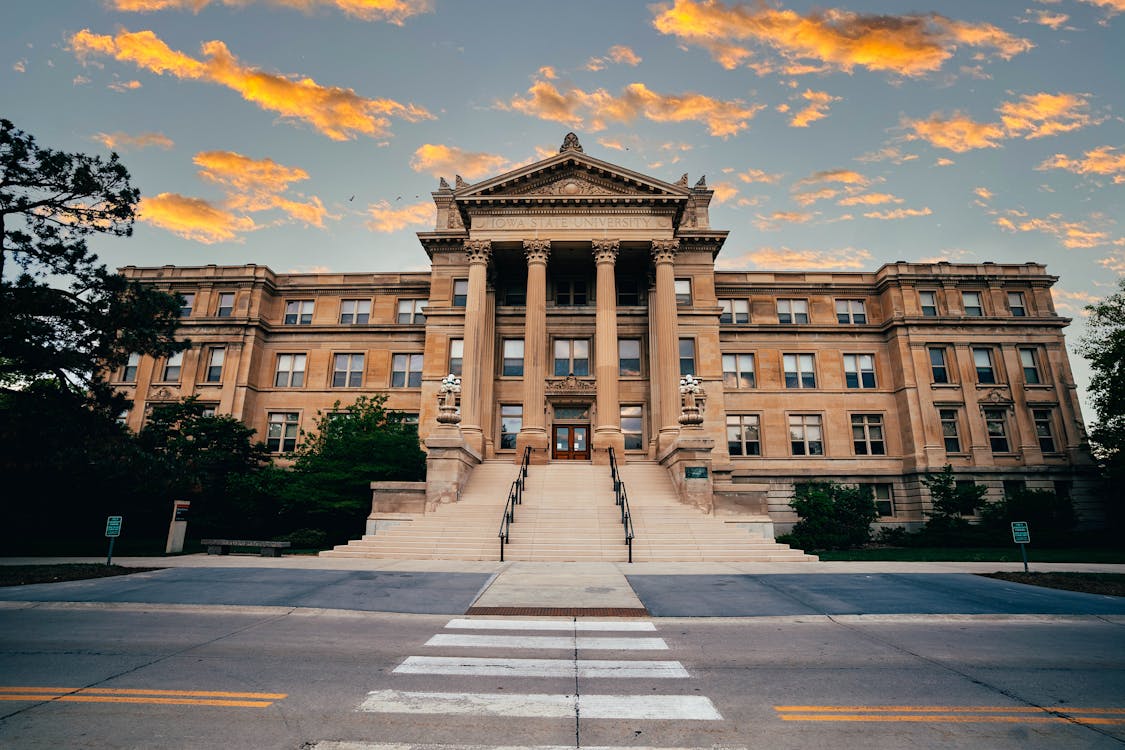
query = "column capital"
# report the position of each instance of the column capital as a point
(664, 251)
(478, 251)
(537, 251)
(605, 251)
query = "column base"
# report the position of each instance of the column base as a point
(604, 439)
(538, 441)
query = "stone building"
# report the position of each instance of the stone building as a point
(572, 294)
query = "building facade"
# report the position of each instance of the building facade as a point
(572, 294)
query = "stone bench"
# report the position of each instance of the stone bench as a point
(222, 546)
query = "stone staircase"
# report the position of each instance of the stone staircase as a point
(568, 514)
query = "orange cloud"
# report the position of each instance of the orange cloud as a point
(439, 160)
(724, 191)
(1052, 20)
(123, 86)
(391, 11)
(906, 45)
(944, 162)
(758, 175)
(812, 196)
(958, 133)
(892, 154)
(338, 113)
(898, 213)
(777, 218)
(1071, 234)
(869, 199)
(125, 141)
(1104, 160)
(816, 110)
(193, 218)
(618, 53)
(1113, 6)
(784, 257)
(1073, 302)
(844, 176)
(593, 110)
(983, 193)
(257, 185)
(387, 218)
(1032, 116)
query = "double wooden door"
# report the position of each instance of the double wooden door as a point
(571, 442)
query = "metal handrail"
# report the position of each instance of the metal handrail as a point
(621, 497)
(515, 497)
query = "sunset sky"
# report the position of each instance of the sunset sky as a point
(306, 135)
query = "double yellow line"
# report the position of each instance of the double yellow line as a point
(127, 695)
(955, 714)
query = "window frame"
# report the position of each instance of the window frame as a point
(922, 306)
(172, 362)
(890, 499)
(867, 424)
(291, 373)
(737, 375)
(504, 358)
(979, 306)
(416, 315)
(793, 314)
(460, 300)
(997, 416)
(621, 359)
(356, 312)
(1032, 373)
(686, 359)
(799, 374)
(349, 374)
(188, 305)
(456, 361)
(299, 312)
(210, 375)
(130, 369)
(744, 423)
(730, 314)
(278, 444)
(862, 381)
(639, 433)
(509, 437)
(950, 417)
(985, 375)
(854, 312)
(1021, 307)
(942, 353)
(220, 307)
(407, 373)
(682, 288)
(806, 443)
(567, 292)
(1040, 419)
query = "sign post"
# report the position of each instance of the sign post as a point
(1021, 535)
(177, 529)
(112, 530)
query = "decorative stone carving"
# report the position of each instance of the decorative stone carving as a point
(442, 184)
(162, 393)
(682, 182)
(997, 397)
(447, 400)
(692, 398)
(605, 251)
(537, 251)
(664, 251)
(453, 218)
(459, 183)
(572, 182)
(478, 251)
(702, 184)
(570, 143)
(570, 386)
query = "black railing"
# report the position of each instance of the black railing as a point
(515, 497)
(622, 499)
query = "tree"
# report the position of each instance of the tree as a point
(833, 516)
(1104, 347)
(64, 317)
(950, 500)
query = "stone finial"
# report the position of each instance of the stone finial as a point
(702, 184)
(683, 180)
(570, 143)
(442, 184)
(460, 183)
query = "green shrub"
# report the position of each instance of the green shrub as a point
(306, 539)
(1050, 518)
(833, 516)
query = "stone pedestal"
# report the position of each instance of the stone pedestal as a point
(540, 443)
(689, 463)
(449, 462)
(393, 503)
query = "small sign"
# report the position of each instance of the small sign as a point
(695, 472)
(181, 510)
(113, 526)
(1020, 533)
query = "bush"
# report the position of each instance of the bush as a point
(833, 516)
(306, 539)
(1050, 518)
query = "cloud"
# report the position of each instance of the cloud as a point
(123, 141)
(339, 113)
(80, 80)
(869, 199)
(20, 66)
(548, 72)
(593, 110)
(835, 39)
(758, 175)
(619, 54)
(123, 86)
(958, 133)
(784, 257)
(892, 154)
(816, 110)
(724, 191)
(1052, 20)
(944, 162)
(1113, 6)
(439, 160)
(898, 213)
(1071, 234)
(255, 185)
(983, 193)
(1073, 302)
(777, 218)
(193, 218)
(1114, 262)
(949, 255)
(843, 176)
(387, 218)
(391, 11)
(1103, 160)
(812, 196)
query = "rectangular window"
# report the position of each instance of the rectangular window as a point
(355, 311)
(738, 370)
(512, 364)
(187, 304)
(226, 305)
(1013, 487)
(209, 410)
(347, 370)
(929, 303)
(972, 303)
(172, 367)
(683, 292)
(1030, 363)
(687, 357)
(867, 435)
(628, 294)
(410, 420)
(937, 365)
(851, 311)
(281, 431)
(949, 430)
(800, 370)
(629, 358)
(570, 292)
(406, 370)
(982, 359)
(632, 426)
(460, 292)
(290, 371)
(515, 294)
(734, 311)
(412, 311)
(804, 435)
(743, 438)
(129, 371)
(792, 311)
(859, 370)
(215, 358)
(456, 355)
(884, 499)
(298, 312)
(511, 422)
(997, 426)
(1043, 431)
(1017, 305)
(572, 357)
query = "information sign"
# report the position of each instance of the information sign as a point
(695, 472)
(113, 526)
(1020, 533)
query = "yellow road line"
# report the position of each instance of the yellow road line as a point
(966, 709)
(137, 691)
(950, 718)
(135, 699)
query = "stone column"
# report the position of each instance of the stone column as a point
(534, 430)
(664, 352)
(478, 252)
(607, 432)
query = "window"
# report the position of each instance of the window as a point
(982, 358)
(792, 311)
(1013, 487)
(738, 370)
(298, 312)
(734, 311)
(937, 365)
(683, 292)
(997, 427)
(512, 364)
(859, 370)
(687, 357)
(632, 426)
(515, 294)
(290, 371)
(743, 438)
(281, 431)
(187, 304)
(215, 358)
(347, 370)
(172, 367)
(1042, 419)
(867, 435)
(456, 355)
(355, 311)
(412, 311)
(569, 292)
(928, 300)
(460, 292)
(226, 305)
(406, 370)
(972, 303)
(122, 417)
(209, 410)
(129, 371)
(884, 499)
(800, 370)
(1016, 304)
(511, 422)
(628, 293)
(949, 430)
(629, 358)
(804, 435)
(572, 357)
(410, 420)
(1030, 364)
(967, 488)
(851, 311)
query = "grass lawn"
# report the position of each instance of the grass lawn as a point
(21, 575)
(978, 554)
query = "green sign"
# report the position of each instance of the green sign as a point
(695, 472)
(1020, 533)
(113, 526)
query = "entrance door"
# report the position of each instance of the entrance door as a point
(572, 442)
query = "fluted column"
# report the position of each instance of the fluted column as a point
(478, 253)
(534, 430)
(607, 432)
(665, 354)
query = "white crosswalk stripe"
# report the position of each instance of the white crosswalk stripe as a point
(548, 642)
(541, 705)
(583, 668)
(579, 626)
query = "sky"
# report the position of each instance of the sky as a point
(306, 135)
